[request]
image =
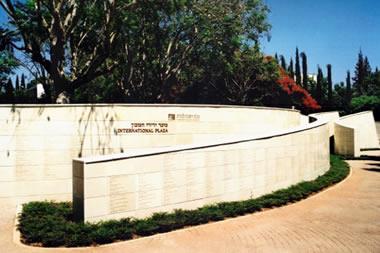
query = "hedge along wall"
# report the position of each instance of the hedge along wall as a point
(354, 132)
(142, 182)
(38, 142)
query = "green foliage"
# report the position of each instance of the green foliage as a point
(362, 75)
(50, 224)
(364, 103)
(149, 51)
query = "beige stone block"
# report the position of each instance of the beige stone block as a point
(246, 156)
(194, 159)
(150, 182)
(120, 184)
(102, 186)
(7, 173)
(29, 188)
(98, 206)
(259, 168)
(123, 202)
(214, 158)
(175, 195)
(174, 179)
(195, 191)
(7, 189)
(231, 171)
(147, 199)
(214, 188)
(195, 176)
(246, 183)
(260, 154)
(231, 185)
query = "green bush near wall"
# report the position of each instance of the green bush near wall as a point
(50, 224)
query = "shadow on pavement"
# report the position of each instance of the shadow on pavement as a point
(372, 169)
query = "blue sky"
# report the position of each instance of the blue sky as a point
(329, 31)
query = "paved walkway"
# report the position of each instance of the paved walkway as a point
(345, 218)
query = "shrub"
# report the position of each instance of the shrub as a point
(364, 103)
(146, 227)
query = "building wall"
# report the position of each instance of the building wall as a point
(140, 183)
(38, 142)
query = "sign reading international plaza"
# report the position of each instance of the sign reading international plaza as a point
(145, 128)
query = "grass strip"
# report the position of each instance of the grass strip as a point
(50, 224)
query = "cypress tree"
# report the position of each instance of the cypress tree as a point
(304, 71)
(17, 83)
(367, 75)
(9, 91)
(283, 62)
(318, 91)
(22, 85)
(298, 67)
(362, 74)
(291, 68)
(329, 82)
(276, 57)
(348, 88)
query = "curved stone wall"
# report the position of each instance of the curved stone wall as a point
(139, 183)
(38, 142)
(331, 117)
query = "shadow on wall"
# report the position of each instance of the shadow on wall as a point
(96, 129)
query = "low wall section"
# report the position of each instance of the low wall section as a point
(38, 142)
(142, 182)
(355, 132)
(330, 117)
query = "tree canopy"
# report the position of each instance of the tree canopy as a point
(143, 46)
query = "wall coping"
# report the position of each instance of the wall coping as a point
(135, 153)
(320, 113)
(355, 114)
(145, 105)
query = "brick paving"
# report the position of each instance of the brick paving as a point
(344, 218)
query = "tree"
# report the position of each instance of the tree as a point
(318, 92)
(17, 85)
(7, 61)
(146, 48)
(72, 40)
(251, 78)
(330, 88)
(304, 71)
(179, 45)
(9, 92)
(296, 94)
(298, 68)
(348, 88)
(7, 65)
(283, 63)
(276, 58)
(22, 85)
(362, 73)
(291, 68)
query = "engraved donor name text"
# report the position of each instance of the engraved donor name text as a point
(144, 128)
